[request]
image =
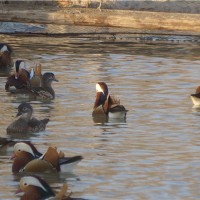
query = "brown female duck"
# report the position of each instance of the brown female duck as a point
(45, 91)
(26, 123)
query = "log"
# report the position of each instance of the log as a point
(106, 18)
(108, 23)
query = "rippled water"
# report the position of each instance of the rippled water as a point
(153, 155)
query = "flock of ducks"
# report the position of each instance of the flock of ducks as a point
(26, 158)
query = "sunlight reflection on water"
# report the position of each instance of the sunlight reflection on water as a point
(154, 154)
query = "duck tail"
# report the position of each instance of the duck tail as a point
(45, 121)
(62, 192)
(68, 164)
(67, 160)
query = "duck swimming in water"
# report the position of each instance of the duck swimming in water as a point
(32, 85)
(106, 105)
(28, 159)
(26, 123)
(23, 78)
(34, 188)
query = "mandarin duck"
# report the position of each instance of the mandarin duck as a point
(28, 159)
(26, 123)
(107, 105)
(34, 188)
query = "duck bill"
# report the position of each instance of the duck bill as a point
(18, 114)
(56, 80)
(19, 192)
(13, 156)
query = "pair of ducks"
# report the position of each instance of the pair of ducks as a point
(105, 106)
(31, 83)
(26, 158)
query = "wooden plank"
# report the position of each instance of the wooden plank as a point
(106, 18)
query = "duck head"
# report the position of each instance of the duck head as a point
(34, 188)
(48, 77)
(22, 155)
(27, 147)
(101, 94)
(25, 111)
(31, 148)
(5, 48)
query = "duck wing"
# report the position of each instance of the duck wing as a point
(67, 164)
(18, 126)
(67, 160)
(42, 93)
(117, 108)
(38, 165)
(35, 125)
(17, 83)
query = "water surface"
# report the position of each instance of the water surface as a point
(154, 154)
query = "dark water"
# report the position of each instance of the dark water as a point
(153, 155)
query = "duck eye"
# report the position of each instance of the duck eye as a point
(24, 109)
(25, 184)
(19, 149)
